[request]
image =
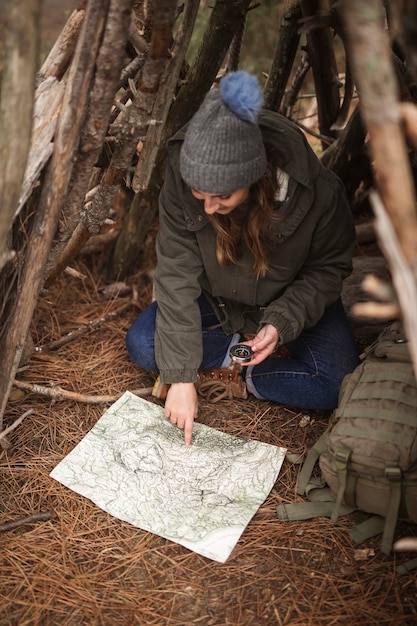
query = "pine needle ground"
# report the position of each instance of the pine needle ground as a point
(84, 567)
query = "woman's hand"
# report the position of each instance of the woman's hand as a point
(263, 344)
(181, 406)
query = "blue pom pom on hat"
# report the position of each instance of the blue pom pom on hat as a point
(240, 91)
(223, 149)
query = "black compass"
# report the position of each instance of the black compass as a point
(241, 353)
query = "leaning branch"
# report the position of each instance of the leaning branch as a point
(50, 202)
(16, 104)
(61, 53)
(404, 275)
(373, 72)
(109, 65)
(137, 117)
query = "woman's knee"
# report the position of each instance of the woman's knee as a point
(140, 344)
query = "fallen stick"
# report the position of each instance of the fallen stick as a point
(57, 393)
(31, 519)
(379, 289)
(405, 544)
(82, 330)
(15, 424)
(376, 310)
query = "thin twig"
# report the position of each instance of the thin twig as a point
(405, 544)
(376, 310)
(379, 289)
(36, 517)
(82, 330)
(57, 393)
(310, 131)
(15, 424)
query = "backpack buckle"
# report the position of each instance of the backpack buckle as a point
(393, 473)
(341, 458)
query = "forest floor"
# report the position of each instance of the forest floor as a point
(84, 567)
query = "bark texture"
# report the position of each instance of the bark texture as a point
(16, 105)
(51, 197)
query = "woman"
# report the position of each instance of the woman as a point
(255, 239)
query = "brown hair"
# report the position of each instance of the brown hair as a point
(248, 225)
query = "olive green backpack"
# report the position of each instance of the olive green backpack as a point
(368, 455)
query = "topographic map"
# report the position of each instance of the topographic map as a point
(134, 465)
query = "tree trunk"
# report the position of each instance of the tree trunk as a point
(323, 63)
(148, 173)
(233, 55)
(406, 15)
(48, 104)
(16, 106)
(347, 156)
(109, 66)
(136, 120)
(226, 19)
(404, 275)
(371, 62)
(285, 52)
(59, 58)
(51, 198)
(152, 143)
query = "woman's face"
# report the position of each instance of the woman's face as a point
(221, 203)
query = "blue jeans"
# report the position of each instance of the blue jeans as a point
(310, 379)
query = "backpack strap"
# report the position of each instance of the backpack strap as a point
(397, 350)
(321, 500)
(321, 504)
(299, 511)
(393, 474)
(371, 527)
(341, 459)
(309, 463)
(407, 566)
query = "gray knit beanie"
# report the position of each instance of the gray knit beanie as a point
(223, 148)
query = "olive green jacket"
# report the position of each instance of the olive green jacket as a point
(312, 252)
